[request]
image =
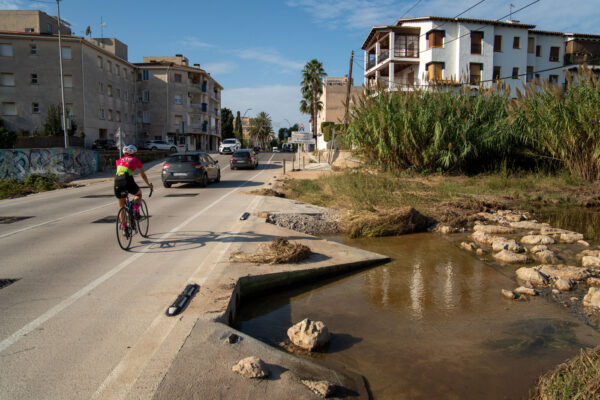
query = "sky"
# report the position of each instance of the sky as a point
(256, 49)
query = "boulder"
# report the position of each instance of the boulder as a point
(480, 252)
(583, 243)
(509, 294)
(320, 388)
(564, 285)
(592, 298)
(546, 257)
(538, 248)
(482, 237)
(591, 253)
(550, 231)
(506, 244)
(444, 229)
(493, 229)
(251, 367)
(308, 334)
(593, 282)
(571, 237)
(526, 291)
(537, 239)
(468, 246)
(564, 271)
(590, 261)
(532, 275)
(510, 257)
(529, 225)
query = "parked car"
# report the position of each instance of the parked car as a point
(257, 149)
(275, 149)
(160, 145)
(197, 168)
(244, 158)
(229, 146)
(104, 144)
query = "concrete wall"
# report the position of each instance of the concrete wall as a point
(65, 163)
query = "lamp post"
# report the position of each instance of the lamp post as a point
(62, 83)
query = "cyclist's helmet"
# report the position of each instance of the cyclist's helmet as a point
(130, 149)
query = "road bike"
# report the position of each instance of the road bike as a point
(129, 223)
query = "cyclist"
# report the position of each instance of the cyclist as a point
(124, 182)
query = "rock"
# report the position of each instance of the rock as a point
(583, 243)
(593, 282)
(555, 291)
(592, 298)
(591, 253)
(590, 261)
(506, 244)
(546, 257)
(564, 271)
(508, 256)
(564, 285)
(573, 299)
(537, 239)
(480, 252)
(550, 231)
(532, 275)
(528, 225)
(571, 237)
(525, 290)
(468, 246)
(509, 294)
(308, 334)
(482, 237)
(514, 217)
(320, 388)
(538, 248)
(232, 338)
(493, 229)
(251, 367)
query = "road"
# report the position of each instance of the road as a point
(81, 304)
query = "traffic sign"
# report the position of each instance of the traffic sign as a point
(302, 135)
(302, 141)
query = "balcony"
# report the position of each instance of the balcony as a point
(384, 54)
(583, 58)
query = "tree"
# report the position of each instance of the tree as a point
(7, 137)
(227, 123)
(312, 89)
(281, 134)
(237, 127)
(53, 124)
(261, 128)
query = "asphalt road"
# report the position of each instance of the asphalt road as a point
(81, 304)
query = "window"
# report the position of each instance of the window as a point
(517, 42)
(7, 79)
(66, 53)
(145, 75)
(475, 73)
(529, 73)
(146, 117)
(100, 64)
(554, 51)
(515, 73)
(110, 115)
(178, 78)
(109, 66)
(178, 100)
(530, 45)
(496, 74)
(100, 87)
(435, 39)
(32, 49)
(6, 50)
(126, 95)
(109, 90)
(434, 71)
(118, 116)
(476, 38)
(538, 51)
(9, 108)
(34, 79)
(145, 96)
(553, 79)
(29, 30)
(68, 79)
(101, 113)
(35, 108)
(118, 93)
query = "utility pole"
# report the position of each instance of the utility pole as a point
(348, 86)
(62, 79)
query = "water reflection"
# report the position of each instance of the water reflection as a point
(431, 324)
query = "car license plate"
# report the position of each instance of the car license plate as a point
(179, 174)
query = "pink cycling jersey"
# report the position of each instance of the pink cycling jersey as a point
(128, 165)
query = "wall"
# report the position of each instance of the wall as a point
(65, 163)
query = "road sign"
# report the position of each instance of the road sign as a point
(303, 141)
(301, 128)
(301, 136)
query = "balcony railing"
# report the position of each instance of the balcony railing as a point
(571, 59)
(406, 53)
(371, 63)
(384, 54)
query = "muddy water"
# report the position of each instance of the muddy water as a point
(430, 325)
(578, 219)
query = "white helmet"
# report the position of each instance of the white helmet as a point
(130, 149)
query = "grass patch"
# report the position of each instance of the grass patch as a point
(33, 184)
(578, 378)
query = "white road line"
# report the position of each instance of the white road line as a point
(91, 286)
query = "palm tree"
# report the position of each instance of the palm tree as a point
(261, 129)
(312, 89)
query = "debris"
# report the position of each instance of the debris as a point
(278, 251)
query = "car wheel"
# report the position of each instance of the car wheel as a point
(154, 148)
(173, 149)
(204, 181)
(167, 184)
(218, 179)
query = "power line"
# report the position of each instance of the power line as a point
(410, 9)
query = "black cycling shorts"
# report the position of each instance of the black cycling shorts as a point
(125, 184)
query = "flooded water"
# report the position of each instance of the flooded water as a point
(430, 325)
(578, 219)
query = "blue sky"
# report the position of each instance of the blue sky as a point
(256, 49)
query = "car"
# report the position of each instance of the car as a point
(160, 145)
(104, 144)
(244, 158)
(275, 149)
(256, 149)
(229, 146)
(199, 168)
(287, 148)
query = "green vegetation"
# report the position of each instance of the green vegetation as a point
(53, 124)
(7, 137)
(312, 89)
(33, 184)
(261, 128)
(237, 127)
(227, 123)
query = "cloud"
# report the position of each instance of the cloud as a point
(195, 43)
(219, 67)
(270, 56)
(11, 4)
(279, 101)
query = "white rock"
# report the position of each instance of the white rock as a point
(251, 367)
(583, 243)
(592, 298)
(529, 225)
(525, 290)
(468, 246)
(571, 237)
(320, 388)
(445, 229)
(537, 239)
(532, 275)
(508, 256)
(550, 231)
(591, 253)
(590, 261)
(538, 248)
(555, 291)
(493, 229)
(507, 244)
(546, 257)
(564, 271)
(482, 237)
(480, 252)
(564, 285)
(308, 334)
(509, 294)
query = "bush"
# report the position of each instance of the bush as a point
(7, 138)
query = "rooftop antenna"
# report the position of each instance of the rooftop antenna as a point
(511, 6)
(102, 26)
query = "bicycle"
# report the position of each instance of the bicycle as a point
(128, 224)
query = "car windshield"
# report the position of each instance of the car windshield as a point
(183, 158)
(241, 154)
(228, 141)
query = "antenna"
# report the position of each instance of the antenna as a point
(102, 26)
(511, 6)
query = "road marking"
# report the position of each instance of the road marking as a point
(15, 337)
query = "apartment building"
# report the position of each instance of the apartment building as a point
(161, 98)
(421, 51)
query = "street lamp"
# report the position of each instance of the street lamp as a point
(244, 116)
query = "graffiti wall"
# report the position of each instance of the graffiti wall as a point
(19, 163)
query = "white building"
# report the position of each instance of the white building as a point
(419, 51)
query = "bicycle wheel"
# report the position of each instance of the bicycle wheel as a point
(124, 231)
(144, 219)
